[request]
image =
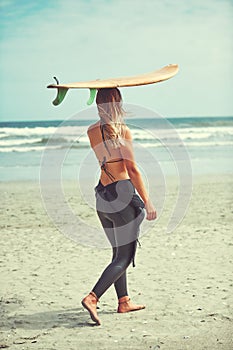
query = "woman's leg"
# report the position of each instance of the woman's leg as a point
(115, 270)
(114, 273)
(122, 254)
(120, 284)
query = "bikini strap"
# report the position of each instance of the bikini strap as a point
(115, 160)
(103, 138)
(103, 167)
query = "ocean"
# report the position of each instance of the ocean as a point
(206, 143)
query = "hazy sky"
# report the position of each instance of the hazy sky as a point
(78, 40)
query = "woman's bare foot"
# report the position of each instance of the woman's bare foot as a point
(89, 303)
(125, 305)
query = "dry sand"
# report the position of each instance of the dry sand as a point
(184, 278)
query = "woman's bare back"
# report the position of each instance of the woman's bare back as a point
(114, 162)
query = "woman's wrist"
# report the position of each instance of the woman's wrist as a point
(146, 201)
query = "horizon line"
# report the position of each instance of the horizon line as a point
(62, 120)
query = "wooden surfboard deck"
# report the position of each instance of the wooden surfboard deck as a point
(157, 76)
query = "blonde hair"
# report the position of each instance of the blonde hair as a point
(111, 112)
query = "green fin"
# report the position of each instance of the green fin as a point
(61, 93)
(92, 96)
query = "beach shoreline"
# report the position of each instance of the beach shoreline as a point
(184, 278)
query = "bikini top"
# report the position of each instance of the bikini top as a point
(104, 162)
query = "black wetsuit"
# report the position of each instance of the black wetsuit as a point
(120, 211)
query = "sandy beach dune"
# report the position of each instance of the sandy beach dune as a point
(184, 278)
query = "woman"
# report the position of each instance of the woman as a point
(119, 208)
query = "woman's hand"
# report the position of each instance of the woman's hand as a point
(150, 210)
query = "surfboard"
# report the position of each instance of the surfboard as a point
(157, 76)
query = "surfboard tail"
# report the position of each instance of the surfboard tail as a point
(61, 94)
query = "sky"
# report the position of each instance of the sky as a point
(78, 40)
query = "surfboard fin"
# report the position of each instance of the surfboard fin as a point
(61, 93)
(57, 81)
(92, 96)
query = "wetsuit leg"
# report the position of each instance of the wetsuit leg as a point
(115, 269)
(122, 236)
(120, 284)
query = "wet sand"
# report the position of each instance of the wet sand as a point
(184, 278)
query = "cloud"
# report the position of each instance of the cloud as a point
(81, 40)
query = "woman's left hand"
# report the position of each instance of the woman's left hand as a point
(150, 210)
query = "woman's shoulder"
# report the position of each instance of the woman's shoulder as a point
(92, 127)
(127, 132)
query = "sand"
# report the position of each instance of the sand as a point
(184, 278)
